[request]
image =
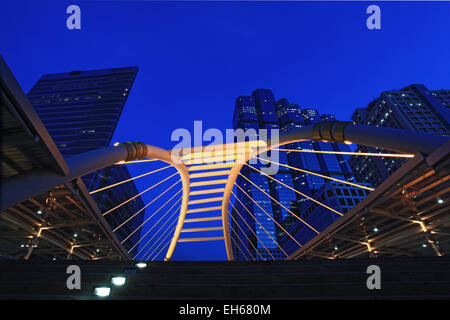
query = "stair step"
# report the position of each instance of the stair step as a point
(210, 174)
(202, 229)
(204, 209)
(203, 219)
(207, 191)
(216, 199)
(200, 239)
(208, 183)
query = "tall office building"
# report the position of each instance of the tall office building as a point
(255, 112)
(259, 236)
(337, 195)
(80, 110)
(412, 108)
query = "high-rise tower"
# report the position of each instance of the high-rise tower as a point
(412, 108)
(80, 110)
(264, 238)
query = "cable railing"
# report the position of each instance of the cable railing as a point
(137, 227)
(247, 189)
(143, 237)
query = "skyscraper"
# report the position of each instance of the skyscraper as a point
(256, 112)
(274, 204)
(80, 110)
(412, 108)
(339, 196)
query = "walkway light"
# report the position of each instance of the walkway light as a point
(424, 245)
(118, 280)
(375, 229)
(141, 265)
(102, 291)
(440, 201)
(39, 212)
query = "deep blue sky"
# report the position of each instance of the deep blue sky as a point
(195, 58)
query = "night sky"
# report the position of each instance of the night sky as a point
(196, 58)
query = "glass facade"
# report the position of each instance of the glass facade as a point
(412, 108)
(261, 111)
(88, 103)
(339, 196)
(80, 110)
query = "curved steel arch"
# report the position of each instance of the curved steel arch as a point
(25, 186)
(19, 188)
(165, 156)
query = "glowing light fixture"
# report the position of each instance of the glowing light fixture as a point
(102, 291)
(141, 265)
(118, 280)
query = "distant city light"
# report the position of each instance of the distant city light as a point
(335, 248)
(75, 235)
(375, 229)
(118, 280)
(440, 201)
(39, 212)
(424, 245)
(102, 291)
